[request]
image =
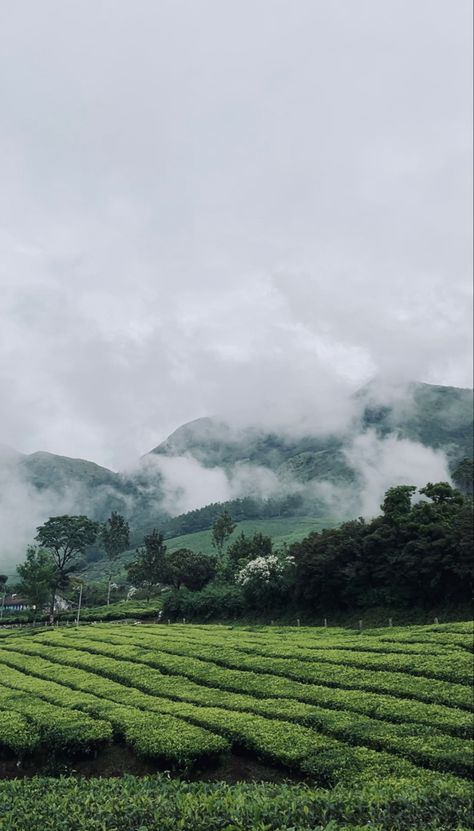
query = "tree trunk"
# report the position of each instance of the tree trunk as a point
(51, 607)
(108, 591)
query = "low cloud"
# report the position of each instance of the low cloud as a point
(381, 463)
(378, 463)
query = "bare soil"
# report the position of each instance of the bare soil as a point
(118, 760)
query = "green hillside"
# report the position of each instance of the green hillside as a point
(438, 417)
(281, 530)
(47, 484)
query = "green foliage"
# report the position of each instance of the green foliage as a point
(412, 555)
(191, 569)
(161, 804)
(246, 548)
(282, 530)
(123, 610)
(59, 728)
(37, 577)
(222, 528)
(114, 535)
(66, 537)
(442, 493)
(397, 502)
(265, 581)
(17, 734)
(150, 566)
(208, 604)
(288, 696)
(463, 476)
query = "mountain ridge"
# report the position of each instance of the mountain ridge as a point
(433, 416)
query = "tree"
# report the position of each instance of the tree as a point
(412, 555)
(246, 548)
(397, 502)
(265, 580)
(65, 537)
(442, 493)
(37, 576)
(191, 569)
(463, 476)
(222, 529)
(3, 582)
(150, 566)
(114, 537)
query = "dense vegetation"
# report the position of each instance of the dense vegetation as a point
(438, 417)
(379, 724)
(418, 552)
(160, 804)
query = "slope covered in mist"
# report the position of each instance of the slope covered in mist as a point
(415, 434)
(434, 416)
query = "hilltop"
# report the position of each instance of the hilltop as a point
(301, 469)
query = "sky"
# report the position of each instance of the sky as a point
(217, 207)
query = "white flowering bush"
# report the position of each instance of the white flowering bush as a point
(265, 579)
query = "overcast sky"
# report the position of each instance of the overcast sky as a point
(226, 206)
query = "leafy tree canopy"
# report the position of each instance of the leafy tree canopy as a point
(38, 575)
(114, 535)
(66, 537)
(414, 554)
(222, 529)
(193, 570)
(245, 548)
(149, 568)
(463, 476)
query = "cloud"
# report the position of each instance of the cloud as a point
(382, 463)
(207, 209)
(23, 508)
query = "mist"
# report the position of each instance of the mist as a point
(207, 209)
(246, 211)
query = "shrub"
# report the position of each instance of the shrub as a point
(214, 601)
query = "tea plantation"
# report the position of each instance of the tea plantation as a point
(372, 729)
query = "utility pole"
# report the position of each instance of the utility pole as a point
(79, 604)
(3, 604)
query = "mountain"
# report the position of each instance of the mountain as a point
(437, 417)
(300, 474)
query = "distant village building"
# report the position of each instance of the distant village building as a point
(15, 603)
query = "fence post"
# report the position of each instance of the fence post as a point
(360, 624)
(390, 622)
(298, 622)
(325, 623)
(436, 621)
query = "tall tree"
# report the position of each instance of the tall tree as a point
(65, 537)
(188, 568)
(114, 537)
(150, 565)
(245, 548)
(37, 577)
(222, 529)
(463, 476)
(397, 502)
